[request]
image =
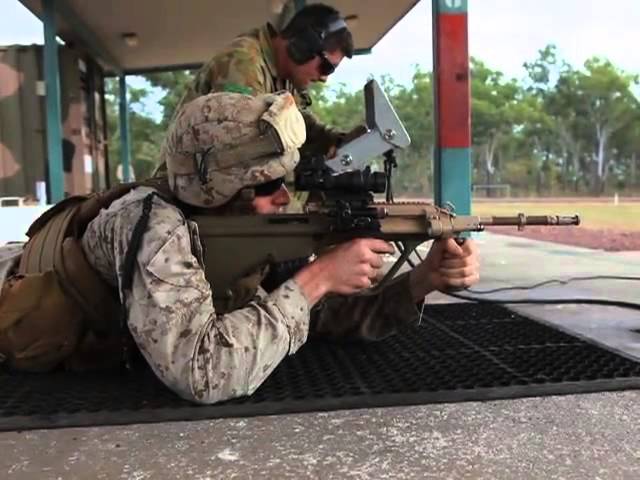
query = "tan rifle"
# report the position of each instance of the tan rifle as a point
(236, 245)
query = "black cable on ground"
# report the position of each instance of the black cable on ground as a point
(560, 301)
(548, 282)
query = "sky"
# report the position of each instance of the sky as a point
(502, 33)
(506, 33)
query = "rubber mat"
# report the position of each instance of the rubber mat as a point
(461, 352)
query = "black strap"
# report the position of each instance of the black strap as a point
(134, 243)
(128, 268)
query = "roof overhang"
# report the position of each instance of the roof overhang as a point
(174, 34)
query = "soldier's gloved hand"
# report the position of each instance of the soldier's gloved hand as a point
(448, 266)
(345, 269)
(346, 138)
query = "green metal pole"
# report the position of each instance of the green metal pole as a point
(125, 144)
(54, 119)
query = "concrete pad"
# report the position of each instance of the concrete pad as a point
(508, 261)
(569, 437)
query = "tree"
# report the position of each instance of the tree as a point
(546, 134)
(625, 146)
(174, 84)
(145, 133)
(608, 102)
(495, 112)
(414, 106)
(590, 106)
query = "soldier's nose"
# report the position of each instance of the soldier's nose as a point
(282, 197)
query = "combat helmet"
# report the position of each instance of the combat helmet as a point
(221, 143)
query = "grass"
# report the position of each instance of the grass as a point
(624, 216)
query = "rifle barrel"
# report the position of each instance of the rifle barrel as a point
(521, 220)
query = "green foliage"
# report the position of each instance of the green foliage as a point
(175, 85)
(591, 113)
(497, 110)
(145, 133)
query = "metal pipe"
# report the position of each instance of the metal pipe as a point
(125, 144)
(54, 118)
(452, 105)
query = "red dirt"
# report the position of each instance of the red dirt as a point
(601, 239)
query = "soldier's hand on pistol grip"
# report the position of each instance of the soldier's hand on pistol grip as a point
(448, 266)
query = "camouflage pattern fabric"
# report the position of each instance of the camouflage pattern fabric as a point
(9, 258)
(222, 142)
(247, 66)
(204, 356)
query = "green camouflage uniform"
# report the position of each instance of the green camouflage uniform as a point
(247, 66)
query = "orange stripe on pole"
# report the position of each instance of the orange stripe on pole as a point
(452, 55)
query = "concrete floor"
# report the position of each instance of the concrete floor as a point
(513, 261)
(594, 436)
(579, 437)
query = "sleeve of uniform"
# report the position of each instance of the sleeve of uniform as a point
(368, 317)
(203, 356)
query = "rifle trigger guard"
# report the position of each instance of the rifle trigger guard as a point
(409, 248)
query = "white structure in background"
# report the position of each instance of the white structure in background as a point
(16, 220)
(16, 217)
(119, 170)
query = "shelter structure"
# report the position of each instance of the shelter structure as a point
(127, 37)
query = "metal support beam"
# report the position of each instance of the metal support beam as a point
(125, 145)
(54, 119)
(89, 39)
(452, 105)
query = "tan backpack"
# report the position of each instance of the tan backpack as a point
(56, 309)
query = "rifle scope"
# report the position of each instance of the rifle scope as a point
(356, 181)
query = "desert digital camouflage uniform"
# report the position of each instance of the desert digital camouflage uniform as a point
(203, 354)
(9, 258)
(247, 66)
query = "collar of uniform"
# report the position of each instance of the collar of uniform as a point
(266, 46)
(264, 37)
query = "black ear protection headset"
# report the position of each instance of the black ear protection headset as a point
(309, 42)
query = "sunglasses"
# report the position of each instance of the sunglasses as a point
(268, 188)
(326, 68)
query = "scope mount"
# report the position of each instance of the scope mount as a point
(385, 132)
